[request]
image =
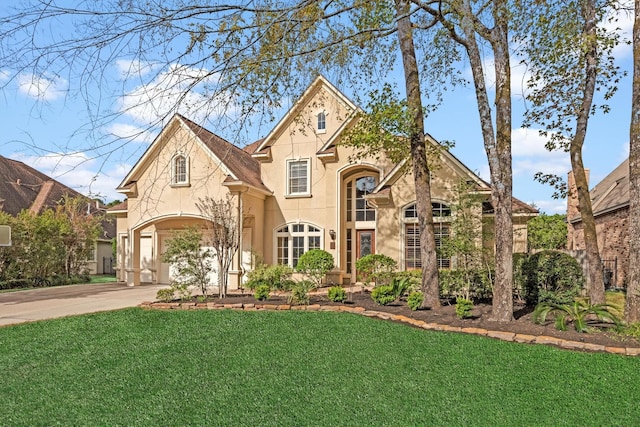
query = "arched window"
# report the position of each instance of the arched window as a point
(322, 122)
(292, 240)
(441, 225)
(357, 208)
(180, 170)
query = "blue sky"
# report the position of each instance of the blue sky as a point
(45, 124)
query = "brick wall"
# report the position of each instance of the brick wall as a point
(612, 229)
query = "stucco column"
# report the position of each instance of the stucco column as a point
(133, 270)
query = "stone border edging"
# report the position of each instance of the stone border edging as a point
(504, 336)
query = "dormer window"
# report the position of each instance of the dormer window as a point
(322, 122)
(180, 170)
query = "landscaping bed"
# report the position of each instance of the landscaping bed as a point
(523, 328)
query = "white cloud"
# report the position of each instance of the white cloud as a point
(128, 68)
(131, 133)
(78, 172)
(551, 207)
(174, 91)
(40, 87)
(530, 155)
(622, 23)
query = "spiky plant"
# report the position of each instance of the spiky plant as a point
(576, 312)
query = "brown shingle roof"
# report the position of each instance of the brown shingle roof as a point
(240, 163)
(23, 187)
(613, 191)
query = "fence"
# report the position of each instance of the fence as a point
(610, 272)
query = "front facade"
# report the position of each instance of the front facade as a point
(297, 189)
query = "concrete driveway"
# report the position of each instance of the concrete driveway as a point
(61, 301)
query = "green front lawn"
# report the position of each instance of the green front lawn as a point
(139, 367)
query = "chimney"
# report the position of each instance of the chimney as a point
(573, 207)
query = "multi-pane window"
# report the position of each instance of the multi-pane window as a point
(322, 122)
(298, 177)
(356, 204)
(179, 170)
(441, 214)
(295, 239)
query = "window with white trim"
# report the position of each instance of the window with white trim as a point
(293, 240)
(322, 122)
(298, 177)
(441, 225)
(179, 170)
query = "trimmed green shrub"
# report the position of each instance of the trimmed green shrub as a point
(337, 294)
(315, 263)
(551, 276)
(464, 307)
(275, 276)
(414, 301)
(261, 293)
(376, 268)
(383, 295)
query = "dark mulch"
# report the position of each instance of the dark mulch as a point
(445, 315)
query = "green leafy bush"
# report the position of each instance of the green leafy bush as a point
(414, 301)
(261, 293)
(376, 268)
(551, 276)
(315, 263)
(464, 307)
(165, 295)
(577, 313)
(383, 295)
(275, 276)
(413, 276)
(300, 292)
(337, 294)
(474, 283)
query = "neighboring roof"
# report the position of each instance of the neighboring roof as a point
(23, 187)
(612, 192)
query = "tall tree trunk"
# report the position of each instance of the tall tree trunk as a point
(497, 146)
(632, 307)
(595, 279)
(421, 173)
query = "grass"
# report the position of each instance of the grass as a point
(101, 278)
(139, 367)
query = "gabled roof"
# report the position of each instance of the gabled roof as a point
(235, 162)
(242, 166)
(479, 185)
(305, 98)
(612, 192)
(23, 187)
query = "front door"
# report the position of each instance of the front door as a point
(365, 243)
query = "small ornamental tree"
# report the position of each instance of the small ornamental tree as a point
(315, 263)
(192, 262)
(222, 234)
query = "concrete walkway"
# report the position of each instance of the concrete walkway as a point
(61, 301)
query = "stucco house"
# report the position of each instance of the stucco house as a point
(24, 187)
(610, 204)
(297, 189)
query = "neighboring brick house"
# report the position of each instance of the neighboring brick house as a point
(610, 203)
(24, 187)
(298, 189)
